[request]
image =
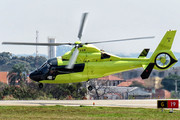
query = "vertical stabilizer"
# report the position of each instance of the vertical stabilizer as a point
(162, 58)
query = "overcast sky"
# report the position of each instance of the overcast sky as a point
(107, 19)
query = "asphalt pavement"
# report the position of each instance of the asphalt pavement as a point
(148, 103)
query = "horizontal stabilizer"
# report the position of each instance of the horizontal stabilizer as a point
(144, 53)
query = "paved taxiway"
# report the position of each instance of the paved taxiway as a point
(114, 103)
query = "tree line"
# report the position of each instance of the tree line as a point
(18, 88)
(7, 61)
(31, 91)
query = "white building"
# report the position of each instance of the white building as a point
(51, 49)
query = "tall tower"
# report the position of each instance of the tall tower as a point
(51, 49)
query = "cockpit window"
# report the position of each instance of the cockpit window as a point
(42, 65)
(52, 61)
(48, 65)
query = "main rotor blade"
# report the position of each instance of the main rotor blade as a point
(73, 59)
(57, 44)
(82, 25)
(40, 44)
(120, 40)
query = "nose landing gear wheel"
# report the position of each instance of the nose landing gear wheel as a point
(90, 88)
(40, 85)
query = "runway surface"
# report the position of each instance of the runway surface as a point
(113, 103)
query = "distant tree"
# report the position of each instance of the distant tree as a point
(2, 86)
(40, 60)
(18, 69)
(169, 82)
(5, 57)
(12, 78)
(3, 60)
(79, 91)
(83, 92)
(7, 60)
(21, 93)
(14, 57)
(137, 84)
(60, 91)
(6, 54)
(63, 90)
(78, 85)
(31, 60)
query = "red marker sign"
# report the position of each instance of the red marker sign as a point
(173, 103)
(168, 104)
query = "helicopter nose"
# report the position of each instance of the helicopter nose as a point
(34, 76)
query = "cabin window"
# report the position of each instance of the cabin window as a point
(62, 69)
(104, 55)
(65, 59)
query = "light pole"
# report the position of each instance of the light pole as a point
(176, 87)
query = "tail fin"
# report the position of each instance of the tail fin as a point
(163, 58)
(144, 53)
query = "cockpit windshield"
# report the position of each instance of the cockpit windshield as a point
(45, 64)
(44, 68)
(42, 65)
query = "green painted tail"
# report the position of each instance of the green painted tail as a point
(144, 53)
(163, 51)
(162, 58)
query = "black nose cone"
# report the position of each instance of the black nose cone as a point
(34, 76)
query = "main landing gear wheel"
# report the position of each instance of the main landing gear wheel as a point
(90, 88)
(40, 85)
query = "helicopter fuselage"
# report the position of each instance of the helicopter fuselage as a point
(91, 63)
(94, 63)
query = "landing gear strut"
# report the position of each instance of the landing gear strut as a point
(40, 85)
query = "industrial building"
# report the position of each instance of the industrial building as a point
(51, 49)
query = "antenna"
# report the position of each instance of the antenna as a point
(37, 32)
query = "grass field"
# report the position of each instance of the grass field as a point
(82, 112)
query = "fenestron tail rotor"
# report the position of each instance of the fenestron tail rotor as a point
(163, 60)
